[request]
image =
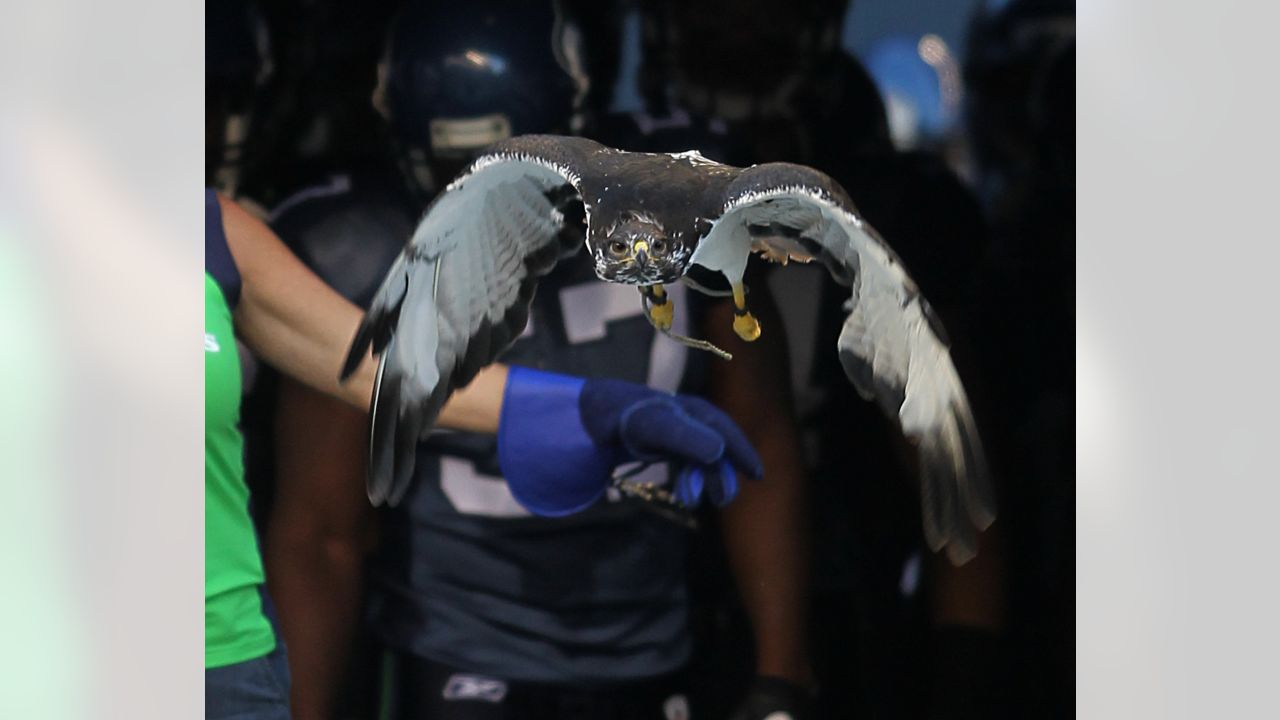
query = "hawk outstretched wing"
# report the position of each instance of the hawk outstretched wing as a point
(892, 347)
(459, 293)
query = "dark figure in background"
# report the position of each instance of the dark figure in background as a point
(1020, 72)
(897, 633)
(592, 31)
(775, 72)
(485, 611)
(237, 63)
(313, 115)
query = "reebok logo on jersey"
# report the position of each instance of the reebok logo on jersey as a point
(474, 687)
(211, 343)
(676, 708)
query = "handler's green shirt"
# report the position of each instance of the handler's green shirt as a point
(235, 628)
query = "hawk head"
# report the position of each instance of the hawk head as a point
(638, 250)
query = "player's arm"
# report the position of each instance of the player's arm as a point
(766, 529)
(320, 529)
(289, 317)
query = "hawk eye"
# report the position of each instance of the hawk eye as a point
(659, 247)
(618, 248)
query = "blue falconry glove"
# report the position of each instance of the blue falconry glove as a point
(560, 438)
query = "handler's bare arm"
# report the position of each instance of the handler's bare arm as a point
(290, 318)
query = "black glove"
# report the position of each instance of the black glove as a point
(772, 698)
(970, 675)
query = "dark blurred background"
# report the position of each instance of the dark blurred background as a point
(951, 125)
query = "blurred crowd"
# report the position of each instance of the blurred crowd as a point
(338, 122)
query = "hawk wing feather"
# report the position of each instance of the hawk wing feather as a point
(892, 346)
(459, 293)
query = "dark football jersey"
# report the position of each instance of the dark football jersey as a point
(464, 575)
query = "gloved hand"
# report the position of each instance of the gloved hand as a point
(772, 698)
(560, 437)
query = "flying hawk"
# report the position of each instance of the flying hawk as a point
(459, 294)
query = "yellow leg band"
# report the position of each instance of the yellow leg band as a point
(747, 327)
(662, 315)
(662, 310)
(744, 323)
